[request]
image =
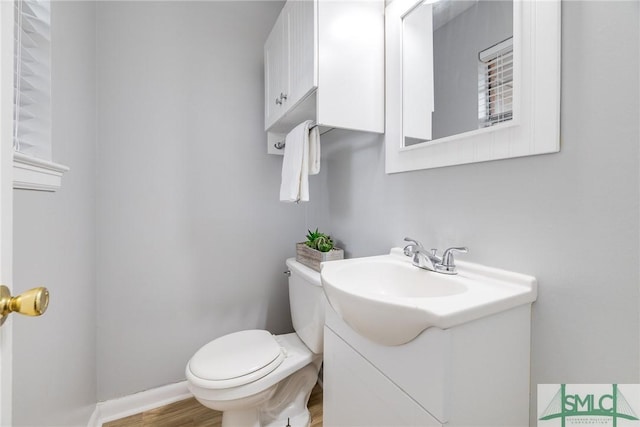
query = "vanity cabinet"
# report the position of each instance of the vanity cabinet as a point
(373, 399)
(475, 374)
(324, 61)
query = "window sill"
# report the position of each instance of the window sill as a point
(30, 173)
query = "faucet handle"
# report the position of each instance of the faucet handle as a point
(408, 250)
(447, 256)
(448, 265)
(414, 241)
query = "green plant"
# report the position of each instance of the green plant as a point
(319, 241)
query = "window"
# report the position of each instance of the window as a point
(33, 166)
(495, 84)
(32, 79)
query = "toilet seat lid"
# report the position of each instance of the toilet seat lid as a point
(237, 358)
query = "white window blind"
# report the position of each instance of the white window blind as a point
(495, 84)
(32, 78)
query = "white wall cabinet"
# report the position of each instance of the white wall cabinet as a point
(324, 61)
(289, 52)
(274, 72)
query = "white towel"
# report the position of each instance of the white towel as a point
(295, 165)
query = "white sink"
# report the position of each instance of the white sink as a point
(390, 301)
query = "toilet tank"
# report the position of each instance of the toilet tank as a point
(307, 302)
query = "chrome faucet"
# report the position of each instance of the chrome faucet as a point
(429, 260)
(421, 258)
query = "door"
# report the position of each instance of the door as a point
(357, 393)
(300, 39)
(6, 196)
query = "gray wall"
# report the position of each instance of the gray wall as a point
(54, 244)
(191, 239)
(191, 236)
(571, 219)
(456, 46)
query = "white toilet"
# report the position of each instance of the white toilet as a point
(261, 380)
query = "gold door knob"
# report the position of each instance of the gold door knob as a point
(33, 302)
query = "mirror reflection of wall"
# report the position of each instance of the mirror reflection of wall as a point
(471, 68)
(417, 74)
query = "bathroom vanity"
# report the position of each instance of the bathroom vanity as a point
(457, 371)
(475, 374)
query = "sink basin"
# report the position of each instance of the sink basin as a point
(388, 276)
(390, 301)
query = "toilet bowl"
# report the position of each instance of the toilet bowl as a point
(262, 380)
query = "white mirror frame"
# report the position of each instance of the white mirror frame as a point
(535, 128)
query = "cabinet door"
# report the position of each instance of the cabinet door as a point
(300, 17)
(351, 65)
(358, 394)
(275, 67)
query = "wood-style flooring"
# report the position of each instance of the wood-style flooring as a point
(190, 413)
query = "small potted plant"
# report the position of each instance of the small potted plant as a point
(318, 248)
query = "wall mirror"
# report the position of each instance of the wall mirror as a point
(471, 81)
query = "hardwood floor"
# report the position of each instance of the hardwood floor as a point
(315, 406)
(190, 413)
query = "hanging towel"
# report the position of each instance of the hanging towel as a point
(295, 165)
(314, 151)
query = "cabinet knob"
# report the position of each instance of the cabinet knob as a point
(283, 96)
(278, 101)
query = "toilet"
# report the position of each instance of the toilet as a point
(262, 380)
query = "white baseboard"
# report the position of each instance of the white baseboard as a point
(93, 421)
(139, 402)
